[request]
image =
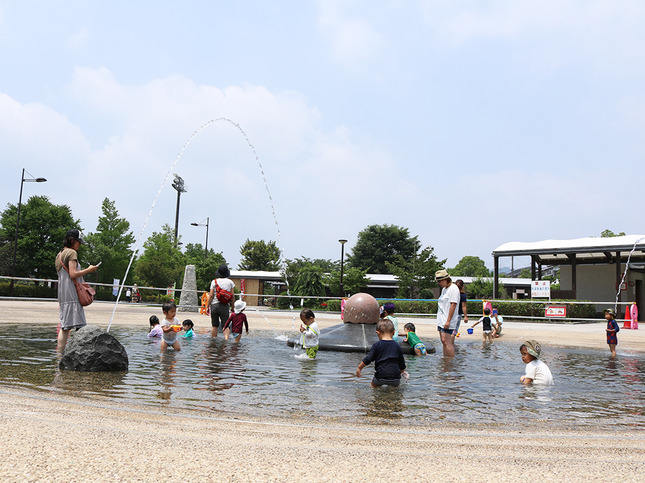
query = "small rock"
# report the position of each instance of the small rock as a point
(92, 349)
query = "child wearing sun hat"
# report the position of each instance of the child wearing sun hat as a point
(236, 320)
(537, 372)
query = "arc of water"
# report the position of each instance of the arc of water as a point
(625, 272)
(163, 184)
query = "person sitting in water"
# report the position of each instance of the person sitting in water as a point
(387, 356)
(412, 338)
(389, 314)
(537, 372)
(170, 322)
(188, 328)
(497, 321)
(155, 328)
(236, 320)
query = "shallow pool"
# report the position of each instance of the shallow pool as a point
(260, 376)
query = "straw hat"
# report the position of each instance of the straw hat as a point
(441, 275)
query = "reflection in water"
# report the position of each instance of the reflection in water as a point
(260, 376)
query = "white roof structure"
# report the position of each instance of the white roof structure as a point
(586, 250)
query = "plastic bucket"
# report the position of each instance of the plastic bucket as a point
(470, 331)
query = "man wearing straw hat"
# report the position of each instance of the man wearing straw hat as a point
(447, 312)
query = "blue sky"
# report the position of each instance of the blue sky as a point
(471, 123)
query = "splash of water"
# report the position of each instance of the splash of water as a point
(163, 184)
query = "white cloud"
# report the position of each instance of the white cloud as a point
(79, 39)
(353, 39)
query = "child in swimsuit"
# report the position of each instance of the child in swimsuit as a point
(413, 339)
(487, 325)
(155, 328)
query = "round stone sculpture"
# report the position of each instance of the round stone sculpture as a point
(361, 308)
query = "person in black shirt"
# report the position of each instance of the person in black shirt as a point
(487, 325)
(387, 357)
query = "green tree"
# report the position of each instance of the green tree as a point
(608, 233)
(310, 283)
(40, 236)
(354, 281)
(470, 266)
(205, 266)
(481, 288)
(161, 264)
(379, 244)
(292, 268)
(416, 276)
(110, 244)
(260, 255)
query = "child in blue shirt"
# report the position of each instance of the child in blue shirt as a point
(612, 331)
(387, 357)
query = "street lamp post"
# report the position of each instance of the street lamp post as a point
(15, 241)
(202, 224)
(178, 184)
(342, 260)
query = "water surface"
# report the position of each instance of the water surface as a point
(261, 377)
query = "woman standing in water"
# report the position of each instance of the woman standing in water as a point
(447, 311)
(72, 315)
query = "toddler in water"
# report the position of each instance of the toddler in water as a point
(169, 337)
(310, 333)
(236, 320)
(487, 325)
(389, 314)
(155, 328)
(413, 339)
(188, 326)
(612, 331)
(387, 356)
(537, 372)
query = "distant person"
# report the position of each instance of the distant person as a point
(463, 308)
(497, 321)
(412, 338)
(128, 295)
(612, 331)
(537, 372)
(221, 298)
(310, 333)
(188, 327)
(71, 313)
(389, 309)
(387, 356)
(155, 327)
(447, 311)
(237, 321)
(487, 326)
(170, 326)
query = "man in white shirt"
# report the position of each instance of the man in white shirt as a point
(447, 311)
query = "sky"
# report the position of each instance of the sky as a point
(470, 123)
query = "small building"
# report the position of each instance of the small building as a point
(591, 268)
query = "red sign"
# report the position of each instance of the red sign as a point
(555, 311)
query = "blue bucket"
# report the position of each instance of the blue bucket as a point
(470, 331)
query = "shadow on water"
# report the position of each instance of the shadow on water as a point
(260, 376)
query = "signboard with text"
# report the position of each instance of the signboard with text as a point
(541, 288)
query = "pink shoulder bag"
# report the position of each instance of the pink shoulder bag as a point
(83, 290)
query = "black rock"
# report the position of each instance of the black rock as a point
(92, 349)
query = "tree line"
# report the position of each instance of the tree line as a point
(379, 249)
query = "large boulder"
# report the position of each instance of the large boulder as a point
(92, 349)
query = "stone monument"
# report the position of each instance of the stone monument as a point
(188, 301)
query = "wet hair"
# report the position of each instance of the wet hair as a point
(389, 307)
(385, 326)
(307, 314)
(486, 311)
(154, 320)
(410, 326)
(167, 307)
(189, 323)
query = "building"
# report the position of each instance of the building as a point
(591, 268)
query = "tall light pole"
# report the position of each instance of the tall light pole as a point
(202, 224)
(15, 241)
(342, 261)
(178, 184)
